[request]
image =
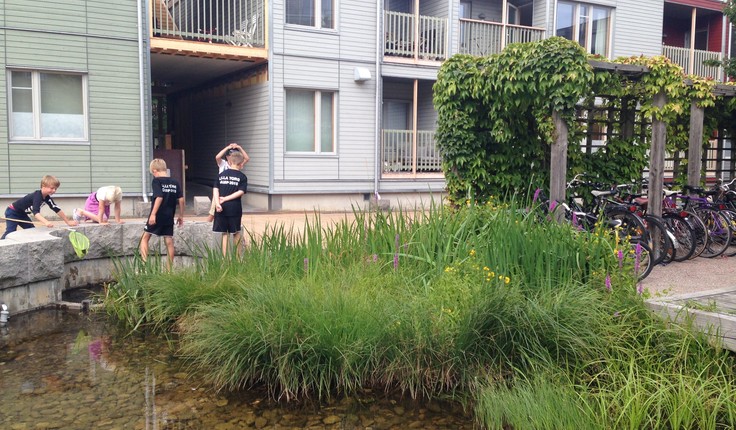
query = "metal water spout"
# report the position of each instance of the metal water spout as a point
(4, 314)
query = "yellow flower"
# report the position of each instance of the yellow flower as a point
(485, 268)
(472, 252)
(506, 280)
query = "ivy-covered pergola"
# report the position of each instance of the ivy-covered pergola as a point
(505, 121)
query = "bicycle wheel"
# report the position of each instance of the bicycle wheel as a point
(719, 232)
(660, 239)
(638, 260)
(701, 233)
(731, 216)
(632, 226)
(684, 242)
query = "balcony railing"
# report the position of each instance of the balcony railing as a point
(486, 38)
(399, 156)
(404, 38)
(234, 22)
(681, 56)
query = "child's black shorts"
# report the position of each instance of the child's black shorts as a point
(164, 230)
(226, 224)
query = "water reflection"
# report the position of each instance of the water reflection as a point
(66, 370)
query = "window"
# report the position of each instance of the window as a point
(588, 25)
(47, 106)
(310, 119)
(312, 13)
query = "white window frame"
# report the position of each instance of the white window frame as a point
(589, 24)
(36, 107)
(317, 138)
(317, 9)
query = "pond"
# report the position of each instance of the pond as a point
(62, 369)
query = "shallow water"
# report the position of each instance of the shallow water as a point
(66, 370)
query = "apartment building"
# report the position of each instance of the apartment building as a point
(331, 99)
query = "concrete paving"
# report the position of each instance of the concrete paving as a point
(692, 276)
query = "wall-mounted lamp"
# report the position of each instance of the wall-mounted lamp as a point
(481, 17)
(361, 74)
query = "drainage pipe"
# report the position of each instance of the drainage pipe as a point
(4, 314)
(141, 56)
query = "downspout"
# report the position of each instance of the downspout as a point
(724, 53)
(144, 169)
(379, 86)
(547, 16)
(271, 155)
(691, 57)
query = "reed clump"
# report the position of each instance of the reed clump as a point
(535, 324)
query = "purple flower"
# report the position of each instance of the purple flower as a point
(620, 259)
(552, 206)
(608, 283)
(396, 261)
(574, 219)
(536, 195)
(306, 264)
(375, 258)
(396, 242)
(639, 288)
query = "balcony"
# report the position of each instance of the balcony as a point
(483, 38)
(691, 61)
(416, 37)
(234, 28)
(401, 156)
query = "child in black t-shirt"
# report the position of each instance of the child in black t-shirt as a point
(166, 194)
(17, 214)
(229, 187)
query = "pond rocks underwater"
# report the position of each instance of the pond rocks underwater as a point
(63, 369)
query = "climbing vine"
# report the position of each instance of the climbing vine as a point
(495, 126)
(494, 114)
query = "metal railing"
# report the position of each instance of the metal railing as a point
(681, 57)
(398, 152)
(234, 22)
(401, 36)
(486, 38)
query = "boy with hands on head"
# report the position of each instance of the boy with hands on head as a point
(222, 159)
(228, 189)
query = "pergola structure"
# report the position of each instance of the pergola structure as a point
(558, 156)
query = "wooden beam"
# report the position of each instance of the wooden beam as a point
(656, 158)
(695, 148)
(558, 159)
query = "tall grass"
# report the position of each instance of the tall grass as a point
(491, 303)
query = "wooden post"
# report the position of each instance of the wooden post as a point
(656, 159)
(628, 117)
(695, 148)
(558, 160)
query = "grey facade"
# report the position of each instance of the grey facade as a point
(257, 73)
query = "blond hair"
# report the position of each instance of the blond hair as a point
(236, 158)
(50, 181)
(112, 194)
(157, 165)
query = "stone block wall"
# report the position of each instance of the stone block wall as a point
(39, 263)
